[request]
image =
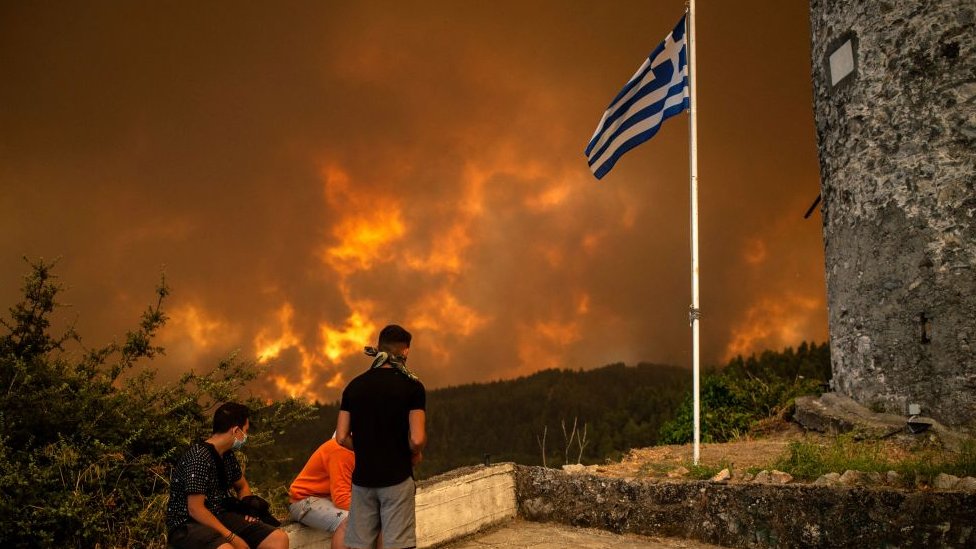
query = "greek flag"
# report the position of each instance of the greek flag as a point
(657, 91)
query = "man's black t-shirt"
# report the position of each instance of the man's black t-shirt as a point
(379, 403)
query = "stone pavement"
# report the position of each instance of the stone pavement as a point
(538, 535)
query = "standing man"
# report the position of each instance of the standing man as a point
(382, 419)
(197, 515)
(321, 493)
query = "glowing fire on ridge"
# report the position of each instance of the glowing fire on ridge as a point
(773, 323)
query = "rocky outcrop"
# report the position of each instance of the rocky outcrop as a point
(835, 414)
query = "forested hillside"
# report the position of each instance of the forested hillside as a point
(618, 407)
(615, 408)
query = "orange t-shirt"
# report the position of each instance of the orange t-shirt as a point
(328, 473)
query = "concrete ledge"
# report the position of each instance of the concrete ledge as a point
(456, 506)
(750, 515)
(449, 506)
(303, 537)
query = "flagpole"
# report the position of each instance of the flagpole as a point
(694, 311)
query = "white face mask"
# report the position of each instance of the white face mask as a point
(239, 443)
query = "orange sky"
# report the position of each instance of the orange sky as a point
(305, 173)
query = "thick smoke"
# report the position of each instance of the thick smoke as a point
(305, 173)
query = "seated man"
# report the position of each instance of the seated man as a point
(197, 515)
(321, 493)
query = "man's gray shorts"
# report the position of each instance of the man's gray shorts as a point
(389, 509)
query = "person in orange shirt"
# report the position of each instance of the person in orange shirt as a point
(321, 493)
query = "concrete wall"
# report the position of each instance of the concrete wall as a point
(897, 143)
(449, 506)
(464, 502)
(750, 515)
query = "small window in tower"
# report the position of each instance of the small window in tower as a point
(924, 327)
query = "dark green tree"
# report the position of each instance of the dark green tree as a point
(88, 437)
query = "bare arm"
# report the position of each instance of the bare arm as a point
(343, 436)
(418, 430)
(200, 513)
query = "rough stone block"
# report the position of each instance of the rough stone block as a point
(836, 414)
(966, 484)
(892, 478)
(722, 476)
(829, 479)
(678, 472)
(945, 482)
(853, 478)
(779, 477)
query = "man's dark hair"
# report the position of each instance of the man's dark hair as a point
(230, 415)
(393, 338)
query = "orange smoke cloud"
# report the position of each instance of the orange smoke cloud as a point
(543, 344)
(364, 234)
(549, 198)
(445, 253)
(336, 344)
(461, 206)
(444, 319)
(349, 340)
(583, 304)
(447, 248)
(774, 323)
(755, 251)
(442, 312)
(269, 347)
(203, 330)
(363, 241)
(192, 332)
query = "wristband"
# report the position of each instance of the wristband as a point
(229, 537)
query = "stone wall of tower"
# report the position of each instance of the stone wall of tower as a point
(897, 143)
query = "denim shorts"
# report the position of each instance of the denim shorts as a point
(319, 513)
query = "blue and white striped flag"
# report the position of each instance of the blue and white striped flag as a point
(657, 91)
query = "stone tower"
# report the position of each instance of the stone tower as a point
(895, 100)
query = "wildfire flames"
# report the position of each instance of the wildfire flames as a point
(410, 163)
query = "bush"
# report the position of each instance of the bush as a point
(88, 437)
(808, 461)
(749, 390)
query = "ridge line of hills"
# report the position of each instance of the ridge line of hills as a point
(615, 408)
(620, 407)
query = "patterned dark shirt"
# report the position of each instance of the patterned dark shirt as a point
(196, 473)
